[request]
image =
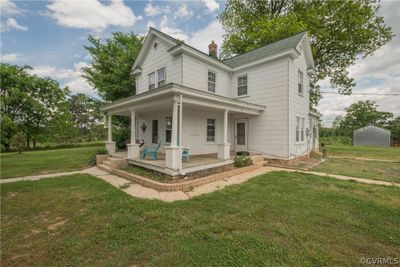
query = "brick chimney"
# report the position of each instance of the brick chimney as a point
(212, 49)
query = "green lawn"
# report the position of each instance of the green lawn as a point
(392, 153)
(45, 161)
(275, 219)
(385, 171)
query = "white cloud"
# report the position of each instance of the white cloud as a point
(151, 10)
(376, 74)
(67, 77)
(173, 31)
(12, 57)
(211, 5)
(202, 38)
(8, 8)
(92, 14)
(183, 12)
(13, 24)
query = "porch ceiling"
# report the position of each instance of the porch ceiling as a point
(161, 98)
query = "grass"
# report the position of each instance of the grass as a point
(275, 219)
(45, 161)
(146, 173)
(392, 153)
(377, 170)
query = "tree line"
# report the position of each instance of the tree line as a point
(359, 115)
(37, 110)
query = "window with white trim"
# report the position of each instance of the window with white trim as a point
(211, 81)
(300, 83)
(302, 129)
(297, 129)
(152, 80)
(242, 85)
(161, 77)
(210, 130)
(168, 129)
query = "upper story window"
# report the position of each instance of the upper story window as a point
(300, 83)
(210, 130)
(242, 85)
(211, 81)
(161, 77)
(152, 80)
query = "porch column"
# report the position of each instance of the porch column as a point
(224, 147)
(110, 145)
(172, 152)
(133, 148)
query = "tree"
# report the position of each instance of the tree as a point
(111, 67)
(361, 114)
(28, 102)
(340, 32)
(394, 127)
(17, 142)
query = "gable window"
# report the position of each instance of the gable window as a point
(168, 129)
(300, 83)
(302, 129)
(297, 129)
(210, 130)
(211, 81)
(152, 80)
(161, 77)
(242, 85)
(154, 131)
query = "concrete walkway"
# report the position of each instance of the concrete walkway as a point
(366, 159)
(139, 191)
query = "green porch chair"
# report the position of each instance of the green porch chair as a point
(185, 153)
(151, 151)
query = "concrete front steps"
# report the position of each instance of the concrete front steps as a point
(110, 163)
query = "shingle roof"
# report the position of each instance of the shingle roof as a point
(267, 50)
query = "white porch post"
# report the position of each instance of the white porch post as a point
(224, 148)
(172, 152)
(110, 146)
(133, 148)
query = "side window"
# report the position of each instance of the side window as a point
(154, 132)
(161, 77)
(302, 129)
(168, 129)
(152, 80)
(211, 81)
(210, 130)
(297, 129)
(300, 83)
(242, 85)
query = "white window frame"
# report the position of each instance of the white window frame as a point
(168, 129)
(300, 83)
(152, 85)
(211, 82)
(158, 76)
(215, 130)
(302, 133)
(239, 86)
(297, 135)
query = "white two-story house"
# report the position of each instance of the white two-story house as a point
(257, 102)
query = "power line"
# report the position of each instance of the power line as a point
(336, 93)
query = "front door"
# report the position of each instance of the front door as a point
(241, 135)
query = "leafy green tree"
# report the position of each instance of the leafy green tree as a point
(361, 114)
(340, 32)
(394, 127)
(17, 142)
(111, 67)
(28, 102)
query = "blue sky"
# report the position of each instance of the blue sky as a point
(49, 36)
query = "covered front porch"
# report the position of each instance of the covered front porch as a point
(187, 129)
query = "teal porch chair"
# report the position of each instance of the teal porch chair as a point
(185, 153)
(151, 151)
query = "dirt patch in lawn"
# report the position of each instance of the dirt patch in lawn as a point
(55, 226)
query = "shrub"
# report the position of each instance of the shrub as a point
(242, 161)
(92, 159)
(121, 136)
(17, 142)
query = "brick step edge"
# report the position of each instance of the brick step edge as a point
(183, 186)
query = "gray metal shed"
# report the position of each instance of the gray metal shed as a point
(371, 136)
